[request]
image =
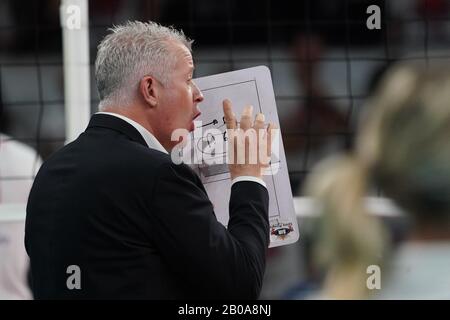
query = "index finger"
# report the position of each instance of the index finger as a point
(230, 118)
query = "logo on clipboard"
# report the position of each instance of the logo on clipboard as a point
(281, 230)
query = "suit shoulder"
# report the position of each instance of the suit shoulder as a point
(183, 171)
(157, 157)
(145, 159)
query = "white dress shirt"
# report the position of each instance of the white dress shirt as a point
(153, 143)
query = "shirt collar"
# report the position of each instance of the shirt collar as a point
(149, 138)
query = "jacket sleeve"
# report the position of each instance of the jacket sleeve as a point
(209, 260)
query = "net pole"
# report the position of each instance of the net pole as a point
(75, 31)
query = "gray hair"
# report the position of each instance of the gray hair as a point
(130, 52)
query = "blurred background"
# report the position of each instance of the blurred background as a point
(324, 61)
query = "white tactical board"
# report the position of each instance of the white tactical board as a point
(251, 86)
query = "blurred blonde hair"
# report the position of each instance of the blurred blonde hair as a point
(404, 148)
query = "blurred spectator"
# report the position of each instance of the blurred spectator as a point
(18, 165)
(348, 238)
(404, 149)
(317, 120)
(14, 262)
(319, 114)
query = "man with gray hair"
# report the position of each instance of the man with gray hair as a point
(111, 216)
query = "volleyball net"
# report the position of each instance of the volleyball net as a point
(324, 59)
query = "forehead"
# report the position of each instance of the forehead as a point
(183, 56)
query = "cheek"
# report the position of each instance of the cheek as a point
(184, 104)
(187, 93)
(178, 108)
(174, 118)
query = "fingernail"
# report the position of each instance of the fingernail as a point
(247, 110)
(260, 117)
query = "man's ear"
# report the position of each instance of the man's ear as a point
(149, 91)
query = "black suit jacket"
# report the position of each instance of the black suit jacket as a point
(137, 225)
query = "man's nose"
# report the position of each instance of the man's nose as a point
(198, 96)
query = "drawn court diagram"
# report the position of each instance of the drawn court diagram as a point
(251, 86)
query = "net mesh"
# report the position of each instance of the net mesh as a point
(324, 60)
